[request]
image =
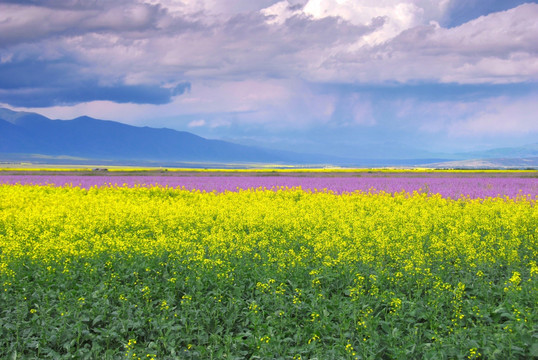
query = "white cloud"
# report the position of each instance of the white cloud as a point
(272, 103)
(6, 58)
(397, 15)
(488, 117)
(500, 117)
(498, 48)
(281, 11)
(196, 123)
(217, 123)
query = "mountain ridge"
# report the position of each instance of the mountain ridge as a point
(526, 150)
(105, 140)
(93, 138)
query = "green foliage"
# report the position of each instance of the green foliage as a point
(247, 311)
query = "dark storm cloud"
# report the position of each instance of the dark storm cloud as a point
(66, 4)
(34, 83)
(30, 23)
(33, 73)
(87, 91)
(40, 66)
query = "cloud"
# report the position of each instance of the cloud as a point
(213, 7)
(44, 97)
(351, 110)
(24, 23)
(370, 67)
(32, 83)
(181, 88)
(499, 117)
(396, 16)
(505, 114)
(498, 48)
(196, 123)
(64, 4)
(269, 104)
(319, 40)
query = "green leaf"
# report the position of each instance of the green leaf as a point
(97, 319)
(534, 350)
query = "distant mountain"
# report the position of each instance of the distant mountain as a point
(85, 137)
(32, 137)
(490, 163)
(521, 157)
(524, 151)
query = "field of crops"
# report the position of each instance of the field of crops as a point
(157, 272)
(451, 185)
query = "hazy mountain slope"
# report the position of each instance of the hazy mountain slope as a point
(87, 137)
(528, 150)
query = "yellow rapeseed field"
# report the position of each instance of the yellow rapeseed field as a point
(289, 227)
(304, 274)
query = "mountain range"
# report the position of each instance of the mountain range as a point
(26, 136)
(88, 138)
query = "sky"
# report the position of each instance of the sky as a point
(366, 78)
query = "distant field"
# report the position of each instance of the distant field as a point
(412, 269)
(448, 184)
(239, 169)
(116, 172)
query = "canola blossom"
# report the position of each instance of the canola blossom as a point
(453, 186)
(139, 272)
